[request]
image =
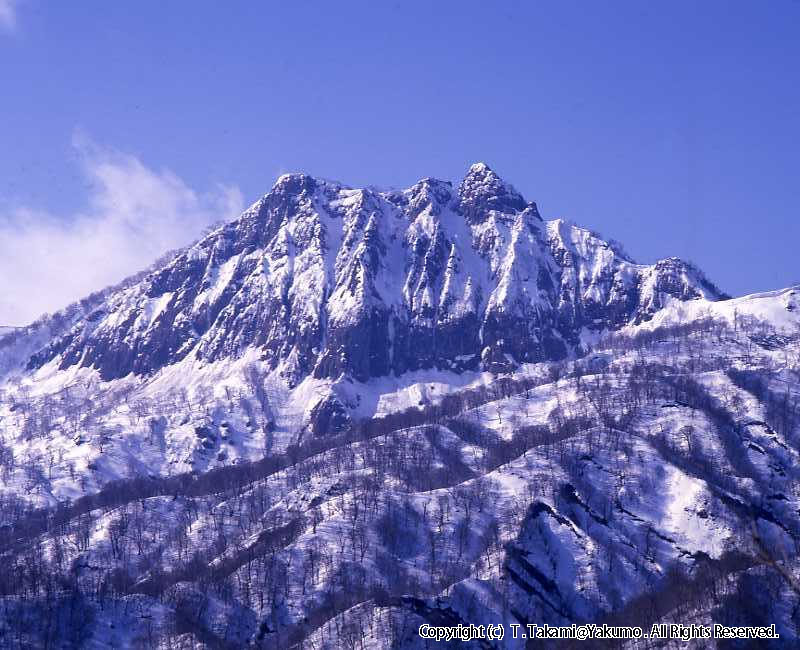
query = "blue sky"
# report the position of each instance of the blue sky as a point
(127, 127)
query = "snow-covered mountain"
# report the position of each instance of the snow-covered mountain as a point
(328, 280)
(350, 412)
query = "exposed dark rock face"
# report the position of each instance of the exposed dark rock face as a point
(329, 417)
(332, 281)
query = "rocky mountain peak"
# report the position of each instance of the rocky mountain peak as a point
(294, 183)
(482, 191)
(429, 193)
(328, 280)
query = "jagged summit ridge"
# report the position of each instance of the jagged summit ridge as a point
(331, 280)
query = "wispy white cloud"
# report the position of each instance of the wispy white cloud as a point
(8, 14)
(134, 214)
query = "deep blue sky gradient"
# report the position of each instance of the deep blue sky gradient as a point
(671, 126)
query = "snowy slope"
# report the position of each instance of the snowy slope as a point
(566, 492)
